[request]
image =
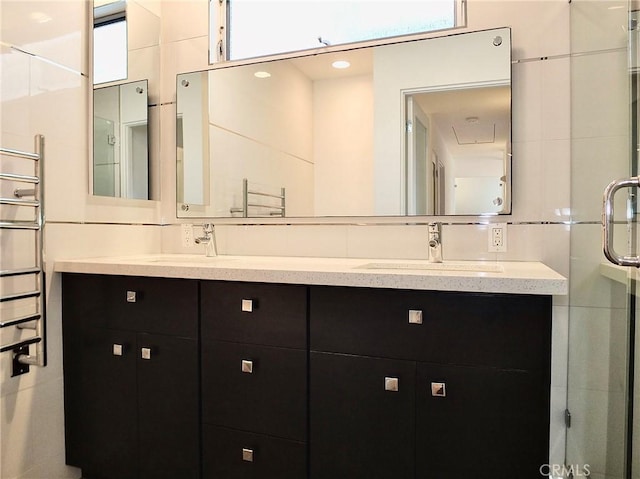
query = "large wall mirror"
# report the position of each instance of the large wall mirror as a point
(419, 127)
(126, 43)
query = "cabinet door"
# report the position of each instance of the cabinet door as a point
(255, 388)
(108, 414)
(484, 423)
(168, 406)
(359, 429)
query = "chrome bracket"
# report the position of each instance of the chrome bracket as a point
(19, 367)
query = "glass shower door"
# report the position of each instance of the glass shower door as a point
(602, 381)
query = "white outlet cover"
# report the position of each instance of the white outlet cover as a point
(187, 235)
(492, 248)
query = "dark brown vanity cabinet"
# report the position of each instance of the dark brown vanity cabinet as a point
(409, 384)
(172, 378)
(254, 380)
(131, 376)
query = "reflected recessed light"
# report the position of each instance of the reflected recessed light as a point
(40, 17)
(472, 119)
(262, 74)
(340, 64)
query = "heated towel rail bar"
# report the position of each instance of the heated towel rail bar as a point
(31, 316)
(268, 209)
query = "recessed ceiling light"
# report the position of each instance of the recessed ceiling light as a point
(472, 119)
(262, 74)
(341, 64)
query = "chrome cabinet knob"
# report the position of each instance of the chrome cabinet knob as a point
(415, 316)
(145, 353)
(118, 349)
(247, 366)
(391, 384)
(247, 305)
(131, 296)
(247, 454)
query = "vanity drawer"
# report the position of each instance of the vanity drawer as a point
(154, 305)
(497, 330)
(255, 388)
(232, 454)
(131, 303)
(256, 313)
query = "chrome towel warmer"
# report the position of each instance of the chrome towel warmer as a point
(36, 318)
(276, 210)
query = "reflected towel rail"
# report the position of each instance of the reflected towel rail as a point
(22, 358)
(276, 210)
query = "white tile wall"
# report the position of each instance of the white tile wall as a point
(541, 133)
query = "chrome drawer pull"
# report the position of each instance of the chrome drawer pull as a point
(247, 305)
(415, 316)
(439, 390)
(117, 349)
(145, 353)
(391, 384)
(247, 454)
(247, 366)
(131, 296)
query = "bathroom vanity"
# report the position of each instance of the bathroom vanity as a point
(181, 366)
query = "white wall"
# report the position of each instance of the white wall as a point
(343, 146)
(40, 98)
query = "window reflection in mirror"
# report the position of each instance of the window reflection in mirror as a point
(120, 141)
(109, 41)
(336, 139)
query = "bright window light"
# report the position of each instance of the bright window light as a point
(266, 27)
(110, 52)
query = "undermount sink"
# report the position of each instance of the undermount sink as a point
(446, 266)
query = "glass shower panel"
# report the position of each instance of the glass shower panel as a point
(600, 386)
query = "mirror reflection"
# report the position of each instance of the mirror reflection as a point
(413, 128)
(120, 141)
(126, 43)
(458, 150)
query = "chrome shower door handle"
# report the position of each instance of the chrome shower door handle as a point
(607, 222)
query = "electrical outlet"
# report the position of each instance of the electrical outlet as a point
(187, 235)
(498, 238)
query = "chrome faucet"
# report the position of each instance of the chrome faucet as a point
(209, 240)
(435, 242)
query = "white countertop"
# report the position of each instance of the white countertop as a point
(513, 277)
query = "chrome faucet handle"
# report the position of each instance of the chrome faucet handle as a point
(435, 242)
(209, 240)
(435, 232)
